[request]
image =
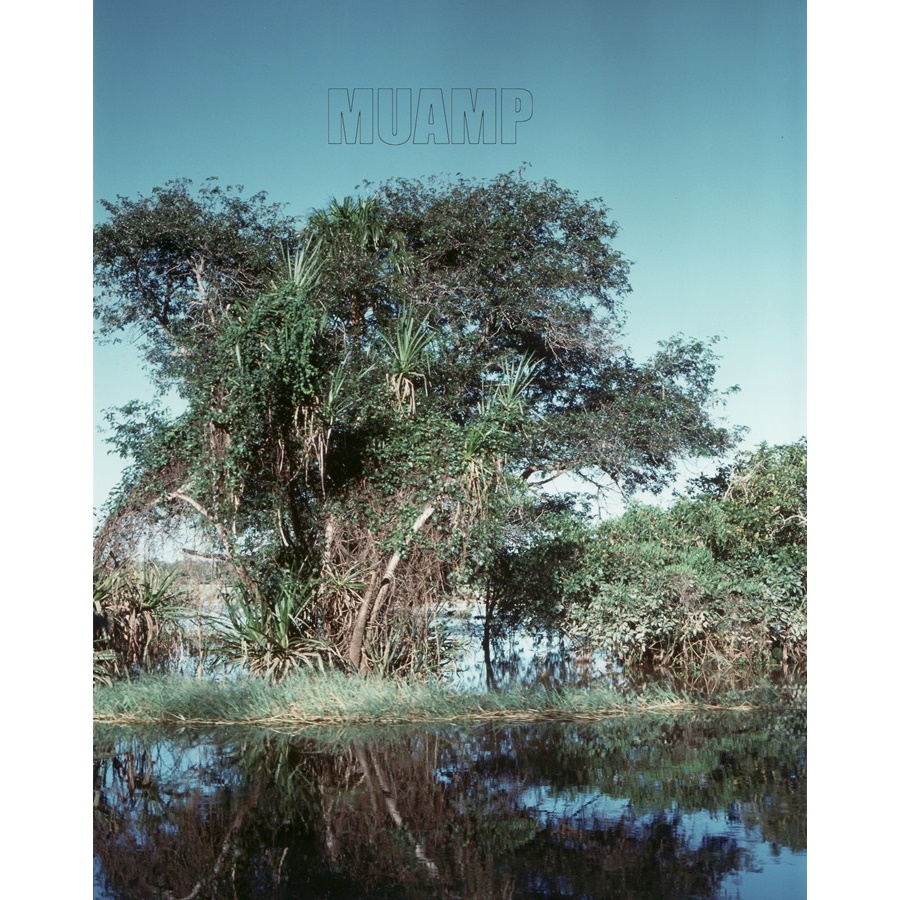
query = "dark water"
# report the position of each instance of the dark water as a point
(711, 806)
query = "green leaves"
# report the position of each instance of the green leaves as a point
(141, 607)
(168, 265)
(303, 267)
(406, 345)
(717, 580)
(433, 344)
(509, 392)
(276, 636)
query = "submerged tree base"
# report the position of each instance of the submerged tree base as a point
(323, 700)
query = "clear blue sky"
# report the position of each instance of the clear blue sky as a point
(686, 116)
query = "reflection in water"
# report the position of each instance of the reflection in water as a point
(646, 807)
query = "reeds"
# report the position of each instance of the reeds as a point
(317, 699)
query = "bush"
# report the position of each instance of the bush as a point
(719, 579)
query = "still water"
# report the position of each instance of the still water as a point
(646, 807)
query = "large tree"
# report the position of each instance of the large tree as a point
(359, 408)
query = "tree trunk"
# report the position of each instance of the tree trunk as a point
(363, 616)
(486, 641)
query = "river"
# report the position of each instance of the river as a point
(688, 806)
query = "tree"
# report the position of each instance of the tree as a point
(171, 264)
(422, 354)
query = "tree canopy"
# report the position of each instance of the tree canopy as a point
(369, 389)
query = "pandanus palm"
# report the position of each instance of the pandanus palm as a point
(357, 250)
(406, 348)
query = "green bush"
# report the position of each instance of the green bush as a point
(716, 579)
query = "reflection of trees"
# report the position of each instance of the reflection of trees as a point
(445, 814)
(156, 804)
(626, 861)
(755, 764)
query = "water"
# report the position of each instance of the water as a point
(648, 807)
(522, 658)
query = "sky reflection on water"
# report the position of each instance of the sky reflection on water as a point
(652, 807)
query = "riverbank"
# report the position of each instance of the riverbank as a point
(335, 699)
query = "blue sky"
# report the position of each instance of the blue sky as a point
(686, 116)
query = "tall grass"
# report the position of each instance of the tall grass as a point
(310, 699)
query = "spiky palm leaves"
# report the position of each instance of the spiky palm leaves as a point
(273, 635)
(359, 257)
(138, 609)
(502, 412)
(355, 222)
(406, 347)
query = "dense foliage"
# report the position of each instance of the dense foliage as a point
(369, 397)
(718, 578)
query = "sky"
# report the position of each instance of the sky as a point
(687, 117)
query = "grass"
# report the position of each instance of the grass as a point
(313, 699)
